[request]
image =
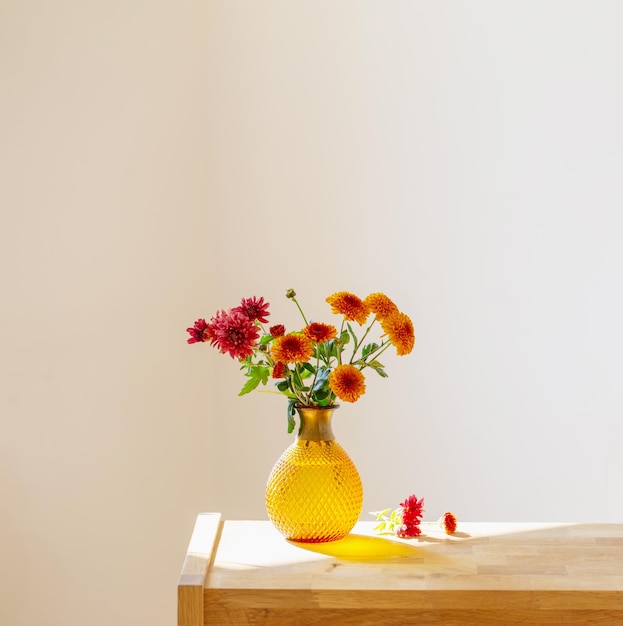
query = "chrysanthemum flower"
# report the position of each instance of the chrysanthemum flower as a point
(319, 332)
(233, 332)
(197, 332)
(380, 305)
(448, 522)
(292, 348)
(399, 328)
(347, 383)
(279, 371)
(411, 516)
(405, 531)
(350, 306)
(254, 309)
(278, 330)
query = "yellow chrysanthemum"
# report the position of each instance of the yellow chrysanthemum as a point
(399, 328)
(292, 348)
(319, 332)
(380, 305)
(347, 383)
(350, 306)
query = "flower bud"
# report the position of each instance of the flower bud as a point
(290, 293)
(278, 330)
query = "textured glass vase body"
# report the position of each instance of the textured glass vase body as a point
(314, 492)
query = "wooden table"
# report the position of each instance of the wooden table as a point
(245, 573)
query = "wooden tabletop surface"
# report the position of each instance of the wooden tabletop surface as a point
(487, 573)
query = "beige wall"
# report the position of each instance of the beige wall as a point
(160, 160)
(105, 444)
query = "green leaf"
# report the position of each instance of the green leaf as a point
(265, 339)
(321, 390)
(257, 374)
(380, 514)
(368, 349)
(283, 385)
(378, 368)
(264, 373)
(291, 414)
(332, 347)
(321, 394)
(322, 378)
(247, 363)
(250, 385)
(352, 333)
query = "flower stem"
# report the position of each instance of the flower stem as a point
(295, 389)
(360, 342)
(301, 310)
(340, 347)
(311, 387)
(375, 354)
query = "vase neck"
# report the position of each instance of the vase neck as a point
(316, 423)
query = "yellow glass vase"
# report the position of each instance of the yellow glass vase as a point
(314, 492)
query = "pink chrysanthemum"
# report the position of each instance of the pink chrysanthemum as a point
(254, 309)
(233, 332)
(197, 332)
(412, 512)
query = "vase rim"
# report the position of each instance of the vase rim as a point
(307, 407)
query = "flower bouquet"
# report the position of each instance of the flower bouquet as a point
(317, 363)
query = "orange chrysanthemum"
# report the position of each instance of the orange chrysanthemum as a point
(399, 328)
(292, 348)
(350, 306)
(448, 523)
(319, 332)
(380, 305)
(347, 383)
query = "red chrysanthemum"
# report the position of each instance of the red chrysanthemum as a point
(278, 330)
(254, 309)
(279, 371)
(347, 383)
(448, 522)
(292, 348)
(411, 517)
(198, 332)
(233, 332)
(319, 332)
(349, 305)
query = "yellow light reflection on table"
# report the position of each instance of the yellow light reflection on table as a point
(360, 548)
